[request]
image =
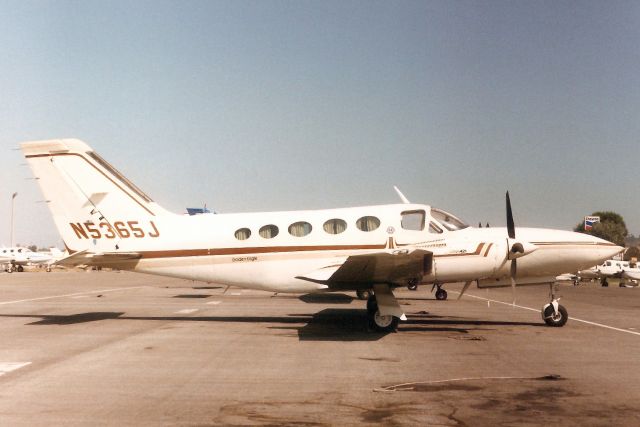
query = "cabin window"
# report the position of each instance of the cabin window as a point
(335, 226)
(243, 234)
(368, 223)
(300, 229)
(268, 231)
(433, 228)
(413, 220)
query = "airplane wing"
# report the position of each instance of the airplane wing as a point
(633, 275)
(96, 258)
(361, 271)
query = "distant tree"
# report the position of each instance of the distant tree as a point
(632, 240)
(611, 227)
(632, 252)
(32, 248)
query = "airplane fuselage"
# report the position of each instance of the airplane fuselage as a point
(205, 247)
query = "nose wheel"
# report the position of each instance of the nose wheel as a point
(553, 313)
(441, 294)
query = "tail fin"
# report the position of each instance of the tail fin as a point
(93, 205)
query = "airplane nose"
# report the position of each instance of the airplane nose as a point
(616, 250)
(602, 249)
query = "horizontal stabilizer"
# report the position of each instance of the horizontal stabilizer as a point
(93, 258)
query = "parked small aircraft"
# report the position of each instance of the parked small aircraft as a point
(16, 258)
(611, 268)
(105, 220)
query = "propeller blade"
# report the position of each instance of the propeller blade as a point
(511, 228)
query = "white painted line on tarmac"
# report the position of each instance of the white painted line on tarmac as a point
(539, 310)
(71, 295)
(187, 311)
(213, 302)
(7, 367)
(236, 293)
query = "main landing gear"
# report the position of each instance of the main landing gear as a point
(553, 313)
(441, 294)
(11, 268)
(377, 321)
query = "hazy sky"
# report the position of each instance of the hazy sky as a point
(282, 105)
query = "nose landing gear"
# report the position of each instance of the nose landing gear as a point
(441, 294)
(553, 313)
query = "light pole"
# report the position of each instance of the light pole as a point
(13, 198)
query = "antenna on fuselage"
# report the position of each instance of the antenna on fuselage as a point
(404, 199)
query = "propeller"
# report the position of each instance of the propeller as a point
(516, 248)
(513, 249)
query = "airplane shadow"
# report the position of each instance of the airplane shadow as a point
(72, 319)
(331, 324)
(329, 298)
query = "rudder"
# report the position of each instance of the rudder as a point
(93, 205)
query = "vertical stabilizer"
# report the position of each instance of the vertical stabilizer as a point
(93, 205)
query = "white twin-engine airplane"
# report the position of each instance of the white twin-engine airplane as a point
(105, 220)
(16, 258)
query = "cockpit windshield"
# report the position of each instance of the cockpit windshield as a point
(448, 221)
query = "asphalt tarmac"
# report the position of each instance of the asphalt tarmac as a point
(109, 348)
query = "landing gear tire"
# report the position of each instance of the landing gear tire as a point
(441, 294)
(555, 319)
(604, 283)
(364, 294)
(380, 323)
(20, 269)
(48, 270)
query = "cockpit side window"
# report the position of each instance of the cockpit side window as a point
(448, 221)
(413, 220)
